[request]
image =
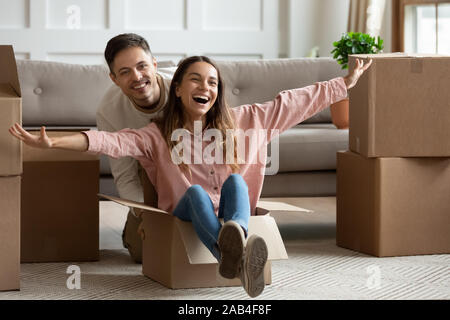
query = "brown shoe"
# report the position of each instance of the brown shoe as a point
(231, 245)
(253, 263)
(131, 238)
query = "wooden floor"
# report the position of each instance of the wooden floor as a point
(321, 223)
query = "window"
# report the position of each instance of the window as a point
(421, 26)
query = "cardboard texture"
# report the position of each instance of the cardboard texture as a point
(60, 212)
(400, 106)
(10, 233)
(393, 206)
(10, 112)
(174, 256)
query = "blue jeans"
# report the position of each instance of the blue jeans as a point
(196, 206)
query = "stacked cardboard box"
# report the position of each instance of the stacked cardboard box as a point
(60, 211)
(393, 185)
(10, 171)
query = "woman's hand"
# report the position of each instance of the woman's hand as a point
(77, 141)
(41, 141)
(352, 78)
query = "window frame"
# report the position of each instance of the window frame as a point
(398, 17)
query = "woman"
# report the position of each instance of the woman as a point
(220, 182)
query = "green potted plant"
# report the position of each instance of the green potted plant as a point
(350, 43)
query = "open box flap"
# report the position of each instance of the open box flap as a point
(8, 68)
(264, 226)
(132, 204)
(262, 206)
(196, 251)
(273, 206)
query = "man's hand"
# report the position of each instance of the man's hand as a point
(352, 78)
(41, 141)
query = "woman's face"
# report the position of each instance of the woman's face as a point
(198, 90)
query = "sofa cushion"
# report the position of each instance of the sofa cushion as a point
(323, 116)
(309, 147)
(300, 184)
(59, 94)
(258, 81)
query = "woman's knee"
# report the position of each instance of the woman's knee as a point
(235, 180)
(195, 191)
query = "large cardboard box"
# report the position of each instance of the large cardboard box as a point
(174, 256)
(400, 106)
(10, 233)
(10, 112)
(393, 206)
(60, 212)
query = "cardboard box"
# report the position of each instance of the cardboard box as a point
(10, 233)
(174, 256)
(400, 107)
(393, 206)
(10, 112)
(60, 212)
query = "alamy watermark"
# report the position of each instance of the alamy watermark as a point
(200, 151)
(374, 279)
(74, 280)
(74, 19)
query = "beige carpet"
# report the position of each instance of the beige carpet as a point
(316, 269)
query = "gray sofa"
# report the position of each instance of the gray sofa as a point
(61, 95)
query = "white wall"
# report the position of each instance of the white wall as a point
(77, 30)
(318, 23)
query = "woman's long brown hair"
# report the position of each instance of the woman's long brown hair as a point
(218, 117)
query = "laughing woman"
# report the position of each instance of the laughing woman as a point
(209, 188)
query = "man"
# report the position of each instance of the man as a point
(138, 95)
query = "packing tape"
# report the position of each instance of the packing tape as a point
(416, 65)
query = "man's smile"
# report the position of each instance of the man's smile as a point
(140, 85)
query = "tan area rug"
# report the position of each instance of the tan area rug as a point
(316, 268)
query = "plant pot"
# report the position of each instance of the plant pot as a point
(339, 113)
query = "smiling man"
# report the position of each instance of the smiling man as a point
(138, 95)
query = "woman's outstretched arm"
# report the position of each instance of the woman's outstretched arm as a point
(291, 107)
(76, 142)
(124, 143)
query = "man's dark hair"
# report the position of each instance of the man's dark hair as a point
(121, 42)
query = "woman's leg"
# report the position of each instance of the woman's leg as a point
(235, 209)
(234, 201)
(196, 206)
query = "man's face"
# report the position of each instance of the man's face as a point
(134, 71)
